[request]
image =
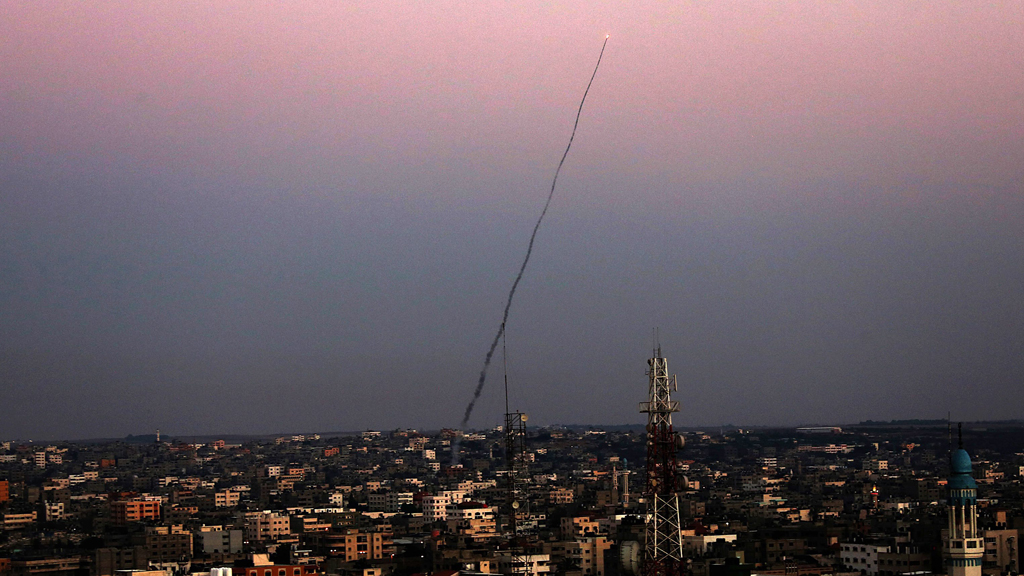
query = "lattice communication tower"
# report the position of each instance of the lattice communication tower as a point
(517, 479)
(663, 546)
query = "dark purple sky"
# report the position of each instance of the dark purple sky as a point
(256, 218)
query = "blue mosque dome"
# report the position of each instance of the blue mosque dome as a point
(960, 471)
(960, 463)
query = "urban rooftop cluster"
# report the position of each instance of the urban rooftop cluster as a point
(867, 500)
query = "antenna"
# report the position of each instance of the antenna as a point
(949, 440)
(663, 547)
(517, 496)
(504, 364)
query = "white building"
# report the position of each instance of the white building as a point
(470, 512)
(862, 557)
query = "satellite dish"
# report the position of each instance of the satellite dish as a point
(515, 505)
(524, 417)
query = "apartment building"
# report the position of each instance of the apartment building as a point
(125, 511)
(578, 527)
(18, 521)
(218, 540)
(266, 526)
(861, 557)
(588, 554)
(168, 543)
(226, 499)
(350, 544)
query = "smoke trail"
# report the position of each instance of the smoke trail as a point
(529, 250)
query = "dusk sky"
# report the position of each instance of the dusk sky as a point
(247, 217)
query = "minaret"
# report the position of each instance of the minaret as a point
(965, 546)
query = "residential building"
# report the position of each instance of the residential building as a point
(861, 556)
(266, 526)
(219, 540)
(18, 521)
(168, 543)
(129, 510)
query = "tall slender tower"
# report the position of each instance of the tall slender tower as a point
(663, 546)
(517, 477)
(965, 546)
(516, 471)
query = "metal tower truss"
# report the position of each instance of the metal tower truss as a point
(663, 545)
(517, 495)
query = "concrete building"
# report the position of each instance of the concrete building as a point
(226, 499)
(698, 545)
(578, 527)
(875, 465)
(168, 543)
(107, 561)
(350, 544)
(862, 557)
(18, 521)
(217, 540)
(388, 501)
(393, 501)
(1002, 555)
(125, 511)
(560, 495)
(54, 511)
(266, 526)
(588, 554)
(472, 519)
(435, 508)
(903, 558)
(52, 566)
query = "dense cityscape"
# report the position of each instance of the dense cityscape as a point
(867, 499)
(265, 267)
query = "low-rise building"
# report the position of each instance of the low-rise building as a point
(861, 557)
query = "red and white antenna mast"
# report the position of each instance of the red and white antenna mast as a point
(663, 546)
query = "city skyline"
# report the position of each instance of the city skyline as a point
(222, 218)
